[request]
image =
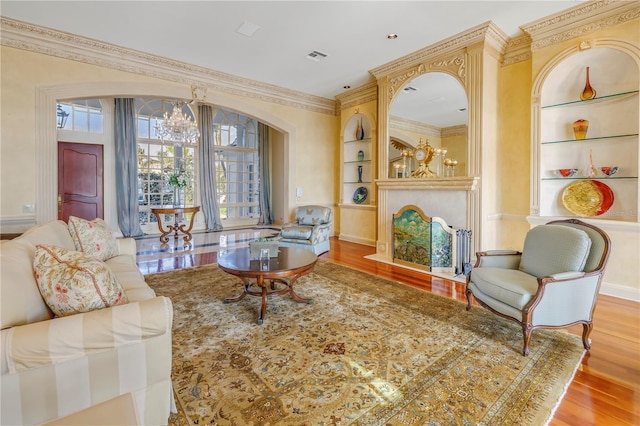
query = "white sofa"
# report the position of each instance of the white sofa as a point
(52, 367)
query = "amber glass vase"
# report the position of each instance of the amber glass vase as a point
(588, 92)
(580, 128)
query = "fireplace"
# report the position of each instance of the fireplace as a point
(429, 243)
(455, 200)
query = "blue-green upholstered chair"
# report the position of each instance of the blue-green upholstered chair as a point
(310, 231)
(554, 282)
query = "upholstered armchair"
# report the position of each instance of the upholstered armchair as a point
(310, 230)
(552, 283)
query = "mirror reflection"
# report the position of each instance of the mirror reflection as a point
(433, 108)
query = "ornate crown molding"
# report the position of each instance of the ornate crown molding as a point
(487, 32)
(358, 96)
(33, 38)
(518, 50)
(580, 20)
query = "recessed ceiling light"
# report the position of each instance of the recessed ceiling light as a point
(462, 109)
(410, 89)
(346, 87)
(392, 36)
(247, 28)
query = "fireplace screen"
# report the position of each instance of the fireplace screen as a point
(428, 243)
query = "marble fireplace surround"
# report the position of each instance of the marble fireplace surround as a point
(452, 199)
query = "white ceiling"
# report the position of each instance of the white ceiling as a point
(352, 33)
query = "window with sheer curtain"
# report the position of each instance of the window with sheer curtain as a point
(158, 161)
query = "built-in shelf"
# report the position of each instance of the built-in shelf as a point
(591, 139)
(592, 178)
(357, 161)
(615, 96)
(365, 140)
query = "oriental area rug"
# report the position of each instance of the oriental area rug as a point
(367, 351)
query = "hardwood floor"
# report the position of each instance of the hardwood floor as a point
(606, 387)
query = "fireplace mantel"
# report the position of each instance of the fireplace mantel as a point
(463, 183)
(455, 199)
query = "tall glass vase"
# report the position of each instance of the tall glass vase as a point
(177, 196)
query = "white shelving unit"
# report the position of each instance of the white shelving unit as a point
(352, 146)
(612, 136)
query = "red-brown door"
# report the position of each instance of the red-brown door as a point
(80, 181)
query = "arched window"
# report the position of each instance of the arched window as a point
(158, 161)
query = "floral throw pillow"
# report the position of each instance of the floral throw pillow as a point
(72, 282)
(93, 237)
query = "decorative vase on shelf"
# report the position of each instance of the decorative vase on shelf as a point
(588, 92)
(361, 155)
(580, 128)
(359, 174)
(591, 169)
(359, 131)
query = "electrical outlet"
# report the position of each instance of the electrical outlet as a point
(28, 208)
(299, 192)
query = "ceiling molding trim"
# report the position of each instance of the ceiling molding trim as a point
(399, 123)
(580, 20)
(518, 50)
(33, 38)
(486, 32)
(360, 95)
(459, 130)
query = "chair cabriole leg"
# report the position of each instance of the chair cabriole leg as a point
(586, 331)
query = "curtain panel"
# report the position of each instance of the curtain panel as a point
(126, 142)
(207, 154)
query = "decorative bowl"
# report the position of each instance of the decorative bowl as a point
(609, 170)
(566, 173)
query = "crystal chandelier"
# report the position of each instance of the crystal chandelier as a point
(178, 127)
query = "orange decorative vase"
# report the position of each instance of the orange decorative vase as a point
(588, 92)
(580, 128)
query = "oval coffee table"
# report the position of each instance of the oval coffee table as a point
(272, 277)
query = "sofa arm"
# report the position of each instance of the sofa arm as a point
(127, 246)
(507, 259)
(72, 337)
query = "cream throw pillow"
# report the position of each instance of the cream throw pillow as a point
(93, 237)
(72, 282)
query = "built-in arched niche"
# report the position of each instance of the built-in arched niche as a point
(432, 107)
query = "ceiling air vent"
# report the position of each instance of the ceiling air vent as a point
(316, 56)
(409, 89)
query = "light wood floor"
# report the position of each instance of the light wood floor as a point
(605, 389)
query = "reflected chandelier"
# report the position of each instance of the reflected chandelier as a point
(177, 127)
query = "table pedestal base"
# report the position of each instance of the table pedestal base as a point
(268, 288)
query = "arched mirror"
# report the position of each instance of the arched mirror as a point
(432, 107)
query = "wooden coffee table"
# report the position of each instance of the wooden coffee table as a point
(272, 277)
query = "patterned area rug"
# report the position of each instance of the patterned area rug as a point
(367, 351)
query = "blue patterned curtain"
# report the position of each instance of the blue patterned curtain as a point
(127, 167)
(266, 215)
(210, 205)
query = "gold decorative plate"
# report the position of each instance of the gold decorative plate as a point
(587, 197)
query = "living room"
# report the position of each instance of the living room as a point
(43, 66)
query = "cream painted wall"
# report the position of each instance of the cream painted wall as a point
(310, 158)
(514, 132)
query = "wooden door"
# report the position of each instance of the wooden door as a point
(80, 181)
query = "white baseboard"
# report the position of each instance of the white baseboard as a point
(622, 292)
(358, 240)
